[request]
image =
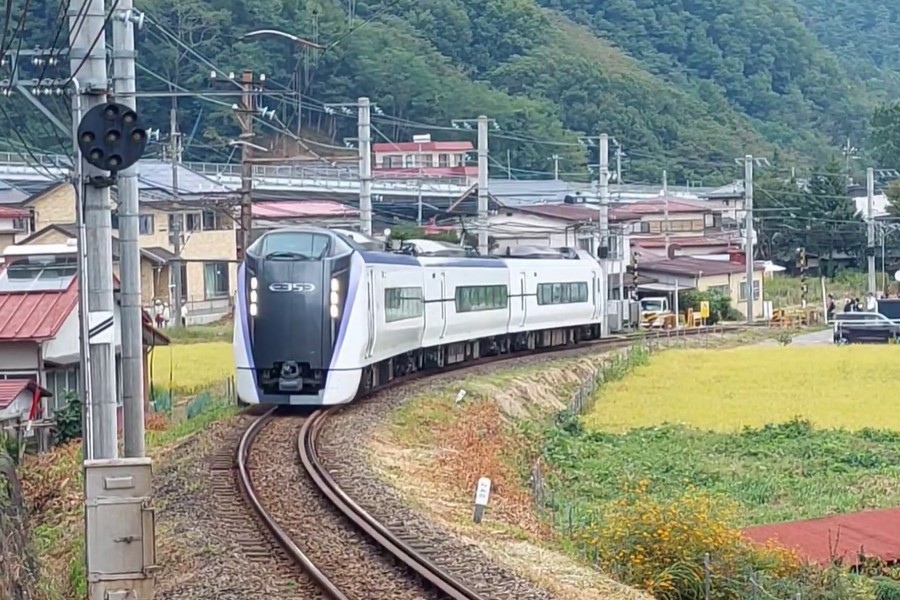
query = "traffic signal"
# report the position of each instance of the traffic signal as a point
(111, 138)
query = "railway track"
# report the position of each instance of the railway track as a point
(428, 575)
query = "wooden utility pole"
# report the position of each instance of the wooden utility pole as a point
(245, 116)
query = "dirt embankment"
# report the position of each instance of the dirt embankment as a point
(433, 450)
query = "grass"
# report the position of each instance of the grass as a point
(189, 368)
(775, 473)
(53, 488)
(216, 332)
(784, 291)
(849, 387)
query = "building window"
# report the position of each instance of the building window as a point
(193, 222)
(403, 303)
(114, 219)
(481, 297)
(712, 221)
(175, 221)
(641, 227)
(391, 162)
(146, 224)
(61, 383)
(215, 280)
(409, 160)
(585, 243)
(212, 221)
(21, 225)
(562, 293)
(443, 160)
(743, 292)
(32, 220)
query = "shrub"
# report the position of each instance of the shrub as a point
(720, 307)
(69, 419)
(659, 545)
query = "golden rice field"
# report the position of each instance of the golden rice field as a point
(191, 367)
(850, 387)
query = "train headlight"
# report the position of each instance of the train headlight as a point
(254, 283)
(253, 297)
(335, 298)
(334, 311)
(253, 309)
(335, 285)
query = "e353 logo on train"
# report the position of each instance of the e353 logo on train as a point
(297, 288)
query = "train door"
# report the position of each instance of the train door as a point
(597, 290)
(371, 321)
(444, 301)
(524, 297)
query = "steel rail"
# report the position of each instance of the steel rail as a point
(245, 483)
(374, 529)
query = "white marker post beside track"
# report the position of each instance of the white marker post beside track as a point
(482, 496)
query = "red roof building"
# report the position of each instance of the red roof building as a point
(35, 316)
(39, 332)
(423, 158)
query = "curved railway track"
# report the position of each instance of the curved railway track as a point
(429, 574)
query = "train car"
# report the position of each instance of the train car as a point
(322, 317)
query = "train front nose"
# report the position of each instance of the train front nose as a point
(291, 329)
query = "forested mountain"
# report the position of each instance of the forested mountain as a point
(686, 85)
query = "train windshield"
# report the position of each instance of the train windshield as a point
(294, 245)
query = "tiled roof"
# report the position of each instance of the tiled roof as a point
(657, 206)
(690, 266)
(9, 212)
(35, 316)
(11, 388)
(566, 212)
(302, 209)
(433, 146)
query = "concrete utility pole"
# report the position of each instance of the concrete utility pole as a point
(178, 220)
(482, 122)
(619, 156)
(870, 228)
(483, 247)
(364, 126)
(246, 120)
(748, 232)
(603, 253)
(665, 191)
(555, 158)
(130, 259)
(88, 64)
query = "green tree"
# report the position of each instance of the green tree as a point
(885, 135)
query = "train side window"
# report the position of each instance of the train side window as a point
(403, 303)
(481, 297)
(562, 293)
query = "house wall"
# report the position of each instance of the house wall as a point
(58, 207)
(55, 207)
(729, 284)
(149, 290)
(18, 408)
(200, 247)
(18, 357)
(520, 229)
(6, 239)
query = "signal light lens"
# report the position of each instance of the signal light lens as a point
(87, 137)
(112, 137)
(114, 161)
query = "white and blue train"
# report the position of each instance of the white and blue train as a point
(320, 318)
